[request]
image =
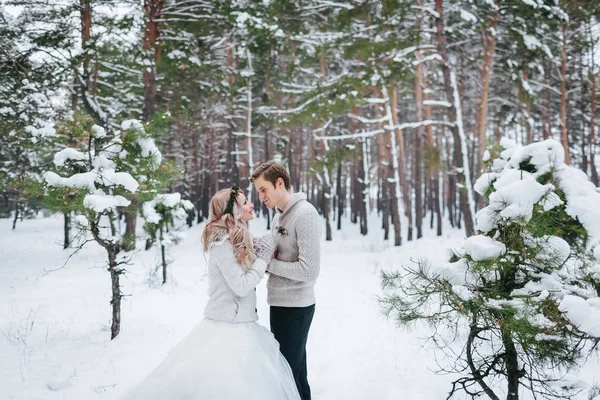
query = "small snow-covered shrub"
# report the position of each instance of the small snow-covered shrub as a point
(164, 216)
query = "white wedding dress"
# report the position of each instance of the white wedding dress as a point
(221, 361)
(227, 356)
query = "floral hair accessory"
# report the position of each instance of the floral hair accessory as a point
(235, 190)
(281, 230)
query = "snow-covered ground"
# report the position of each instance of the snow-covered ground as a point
(55, 321)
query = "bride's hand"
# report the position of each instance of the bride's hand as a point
(264, 247)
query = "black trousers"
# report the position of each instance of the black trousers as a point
(290, 326)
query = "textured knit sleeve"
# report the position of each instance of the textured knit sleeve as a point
(306, 269)
(241, 281)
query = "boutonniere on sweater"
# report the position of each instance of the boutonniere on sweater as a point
(281, 230)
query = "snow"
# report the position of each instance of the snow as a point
(56, 325)
(101, 162)
(132, 124)
(7, 111)
(68, 354)
(149, 213)
(123, 179)
(532, 3)
(597, 253)
(195, 60)
(168, 199)
(148, 148)
(187, 205)
(531, 42)
(83, 180)
(550, 201)
(522, 212)
(102, 202)
(174, 54)
(516, 199)
(511, 176)
(585, 314)
(81, 221)
(456, 273)
(68, 154)
(89, 179)
(544, 155)
(583, 201)
(554, 249)
(467, 16)
(483, 183)
(481, 247)
(440, 103)
(46, 129)
(98, 131)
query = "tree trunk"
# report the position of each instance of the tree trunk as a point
(66, 229)
(131, 212)
(17, 210)
(326, 201)
(592, 136)
(511, 361)
(460, 166)
(163, 257)
(450, 186)
(248, 167)
(546, 107)
(152, 48)
(340, 200)
(116, 290)
(526, 103)
(583, 138)
(402, 164)
(433, 163)
(361, 189)
(198, 167)
(475, 369)
(486, 70)
(353, 196)
(418, 154)
(91, 105)
(395, 157)
(563, 95)
(112, 250)
(205, 197)
(231, 159)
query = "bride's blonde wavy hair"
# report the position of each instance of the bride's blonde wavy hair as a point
(220, 226)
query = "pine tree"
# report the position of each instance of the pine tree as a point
(25, 136)
(526, 287)
(98, 179)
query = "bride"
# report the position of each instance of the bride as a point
(227, 356)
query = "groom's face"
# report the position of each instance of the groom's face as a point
(268, 193)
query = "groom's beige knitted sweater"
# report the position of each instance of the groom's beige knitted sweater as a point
(292, 275)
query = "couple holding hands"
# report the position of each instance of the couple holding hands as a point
(228, 356)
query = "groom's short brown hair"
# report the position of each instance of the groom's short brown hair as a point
(271, 171)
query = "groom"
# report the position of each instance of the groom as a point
(294, 270)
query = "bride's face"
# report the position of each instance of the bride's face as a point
(247, 207)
